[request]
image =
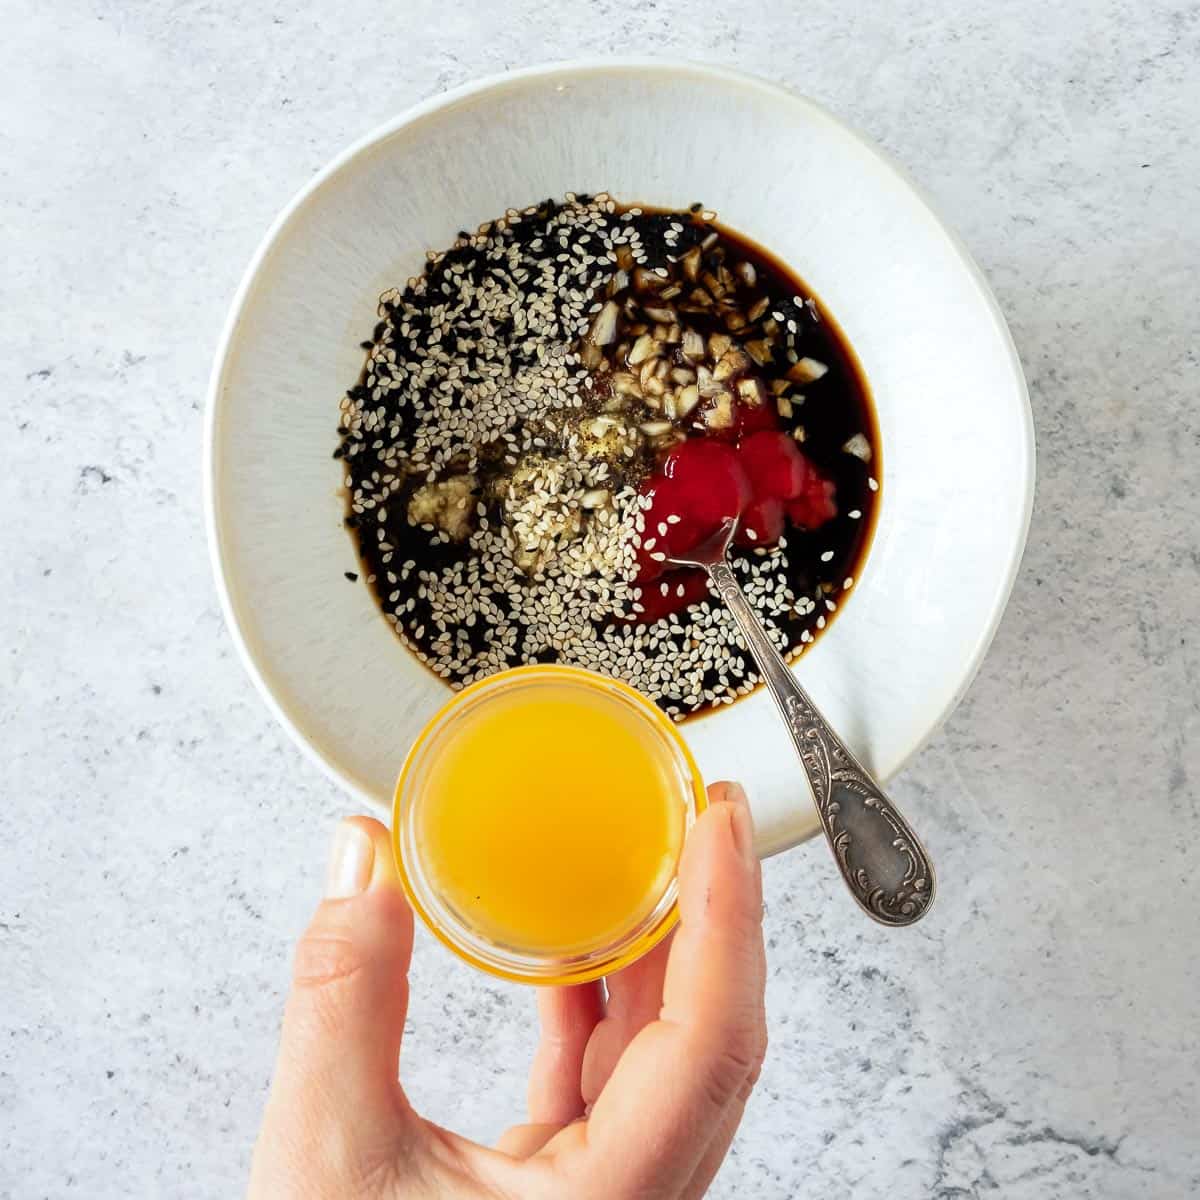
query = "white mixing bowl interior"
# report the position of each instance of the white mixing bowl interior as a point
(953, 415)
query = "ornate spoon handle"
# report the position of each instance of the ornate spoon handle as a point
(881, 859)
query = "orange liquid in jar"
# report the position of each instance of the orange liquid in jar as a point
(552, 820)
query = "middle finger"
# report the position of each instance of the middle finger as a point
(634, 1000)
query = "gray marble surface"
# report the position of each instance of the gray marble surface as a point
(163, 841)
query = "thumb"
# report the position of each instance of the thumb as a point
(344, 1019)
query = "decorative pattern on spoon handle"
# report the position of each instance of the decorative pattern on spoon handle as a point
(881, 859)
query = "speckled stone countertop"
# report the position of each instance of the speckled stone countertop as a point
(1038, 1036)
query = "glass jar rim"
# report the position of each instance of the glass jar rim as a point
(468, 943)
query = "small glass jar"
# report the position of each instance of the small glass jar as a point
(658, 737)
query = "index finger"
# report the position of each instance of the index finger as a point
(681, 1075)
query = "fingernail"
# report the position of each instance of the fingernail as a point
(351, 859)
(741, 823)
(736, 794)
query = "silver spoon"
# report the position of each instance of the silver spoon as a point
(881, 859)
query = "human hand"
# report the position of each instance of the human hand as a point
(634, 1095)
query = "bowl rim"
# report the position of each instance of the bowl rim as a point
(589, 66)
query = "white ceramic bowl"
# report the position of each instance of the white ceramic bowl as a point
(953, 411)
